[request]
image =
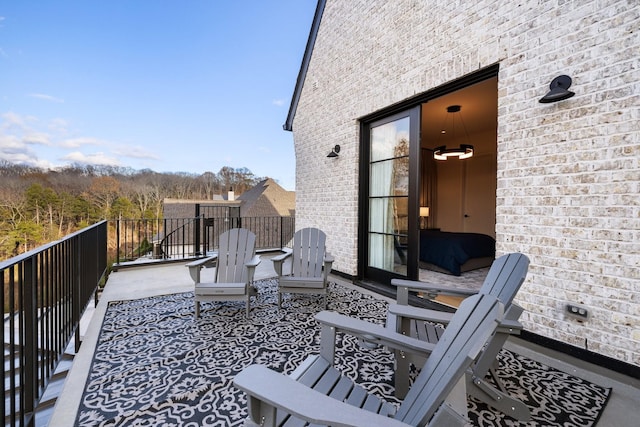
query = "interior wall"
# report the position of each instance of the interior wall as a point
(463, 198)
(465, 192)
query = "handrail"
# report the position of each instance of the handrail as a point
(44, 294)
(183, 238)
(164, 243)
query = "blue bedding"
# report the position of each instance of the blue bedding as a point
(450, 250)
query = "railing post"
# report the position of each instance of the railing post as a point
(76, 292)
(118, 241)
(29, 337)
(197, 226)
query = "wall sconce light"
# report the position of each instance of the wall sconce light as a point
(465, 150)
(334, 151)
(424, 213)
(559, 90)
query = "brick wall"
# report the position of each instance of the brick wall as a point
(568, 172)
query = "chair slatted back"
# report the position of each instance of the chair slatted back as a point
(473, 323)
(236, 247)
(308, 252)
(505, 277)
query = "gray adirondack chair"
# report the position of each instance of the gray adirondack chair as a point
(317, 393)
(235, 262)
(310, 265)
(503, 281)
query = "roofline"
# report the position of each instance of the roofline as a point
(302, 74)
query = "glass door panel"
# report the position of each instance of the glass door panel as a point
(389, 195)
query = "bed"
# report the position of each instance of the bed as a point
(455, 253)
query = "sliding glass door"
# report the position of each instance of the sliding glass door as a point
(392, 146)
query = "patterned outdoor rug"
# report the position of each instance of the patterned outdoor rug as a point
(155, 364)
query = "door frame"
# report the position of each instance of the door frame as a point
(402, 107)
(379, 275)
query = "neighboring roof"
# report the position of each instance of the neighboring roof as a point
(288, 125)
(217, 201)
(267, 198)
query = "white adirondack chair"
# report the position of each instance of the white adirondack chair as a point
(235, 261)
(503, 281)
(310, 265)
(317, 393)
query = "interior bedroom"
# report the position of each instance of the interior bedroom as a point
(458, 185)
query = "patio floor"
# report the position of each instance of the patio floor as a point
(146, 281)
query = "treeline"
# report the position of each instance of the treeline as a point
(38, 206)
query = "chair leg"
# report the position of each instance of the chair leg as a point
(197, 309)
(279, 299)
(402, 374)
(498, 399)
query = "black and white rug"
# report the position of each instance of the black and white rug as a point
(156, 365)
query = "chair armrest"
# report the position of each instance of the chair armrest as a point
(404, 286)
(510, 326)
(253, 262)
(287, 253)
(418, 313)
(373, 333)
(196, 266)
(251, 267)
(279, 260)
(203, 262)
(326, 267)
(279, 391)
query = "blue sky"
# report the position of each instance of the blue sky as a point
(172, 86)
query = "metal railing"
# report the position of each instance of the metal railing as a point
(45, 292)
(180, 238)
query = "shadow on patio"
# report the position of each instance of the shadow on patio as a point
(161, 280)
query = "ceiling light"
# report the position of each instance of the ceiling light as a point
(443, 153)
(465, 150)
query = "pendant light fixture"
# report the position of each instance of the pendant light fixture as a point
(465, 150)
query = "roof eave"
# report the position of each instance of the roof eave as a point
(288, 125)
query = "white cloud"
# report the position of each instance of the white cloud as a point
(17, 138)
(10, 142)
(58, 125)
(79, 142)
(11, 119)
(278, 102)
(38, 138)
(46, 97)
(136, 152)
(13, 149)
(91, 159)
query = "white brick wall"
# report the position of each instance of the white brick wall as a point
(568, 172)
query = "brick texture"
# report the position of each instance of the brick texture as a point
(568, 172)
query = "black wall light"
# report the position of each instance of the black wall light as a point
(559, 90)
(334, 151)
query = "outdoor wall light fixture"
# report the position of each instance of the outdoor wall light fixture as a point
(334, 151)
(465, 150)
(559, 90)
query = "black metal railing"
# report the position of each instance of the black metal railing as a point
(180, 238)
(45, 292)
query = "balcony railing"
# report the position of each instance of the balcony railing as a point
(181, 238)
(44, 294)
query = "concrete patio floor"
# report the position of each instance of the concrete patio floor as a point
(623, 409)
